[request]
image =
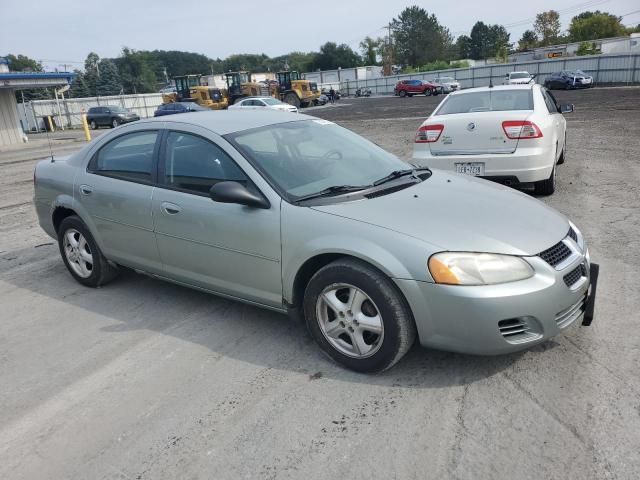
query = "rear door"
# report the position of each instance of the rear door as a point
(473, 122)
(116, 190)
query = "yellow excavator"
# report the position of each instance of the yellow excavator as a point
(240, 85)
(294, 90)
(188, 89)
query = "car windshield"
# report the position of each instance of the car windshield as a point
(519, 75)
(271, 101)
(487, 101)
(304, 157)
(445, 79)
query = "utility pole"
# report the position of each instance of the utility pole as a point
(65, 65)
(388, 53)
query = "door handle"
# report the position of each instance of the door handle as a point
(85, 190)
(170, 208)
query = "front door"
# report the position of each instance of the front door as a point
(116, 191)
(227, 248)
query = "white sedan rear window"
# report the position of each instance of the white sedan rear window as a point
(488, 101)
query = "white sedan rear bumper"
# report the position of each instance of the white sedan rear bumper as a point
(525, 164)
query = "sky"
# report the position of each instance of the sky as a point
(63, 31)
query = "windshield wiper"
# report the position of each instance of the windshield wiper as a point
(397, 174)
(332, 190)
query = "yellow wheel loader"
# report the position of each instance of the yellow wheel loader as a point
(188, 89)
(296, 91)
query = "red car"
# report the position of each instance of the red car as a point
(416, 87)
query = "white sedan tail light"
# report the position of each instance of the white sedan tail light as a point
(429, 133)
(520, 129)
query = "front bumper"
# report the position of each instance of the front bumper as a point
(526, 165)
(479, 320)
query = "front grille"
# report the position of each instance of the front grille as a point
(574, 236)
(556, 255)
(574, 275)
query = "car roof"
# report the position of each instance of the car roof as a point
(496, 87)
(223, 122)
(256, 97)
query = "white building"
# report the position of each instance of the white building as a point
(10, 130)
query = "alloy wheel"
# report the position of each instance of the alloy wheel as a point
(78, 253)
(349, 320)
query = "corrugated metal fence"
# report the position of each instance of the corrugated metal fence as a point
(71, 109)
(604, 69)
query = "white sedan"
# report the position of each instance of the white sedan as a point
(263, 102)
(512, 134)
(519, 78)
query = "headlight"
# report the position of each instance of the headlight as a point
(465, 268)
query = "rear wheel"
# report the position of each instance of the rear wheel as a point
(292, 99)
(115, 122)
(81, 254)
(548, 186)
(93, 124)
(357, 316)
(402, 93)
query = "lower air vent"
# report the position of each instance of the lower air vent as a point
(571, 278)
(519, 330)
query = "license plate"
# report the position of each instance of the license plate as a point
(474, 169)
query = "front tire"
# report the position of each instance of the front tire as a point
(81, 254)
(358, 316)
(427, 92)
(292, 99)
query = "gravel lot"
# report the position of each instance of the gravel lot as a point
(146, 380)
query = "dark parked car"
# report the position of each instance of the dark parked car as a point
(567, 79)
(109, 116)
(180, 107)
(409, 88)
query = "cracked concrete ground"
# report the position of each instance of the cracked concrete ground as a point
(147, 380)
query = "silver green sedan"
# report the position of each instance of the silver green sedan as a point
(299, 215)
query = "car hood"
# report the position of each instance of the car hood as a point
(459, 213)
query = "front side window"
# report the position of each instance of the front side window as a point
(194, 164)
(128, 157)
(550, 102)
(487, 101)
(307, 156)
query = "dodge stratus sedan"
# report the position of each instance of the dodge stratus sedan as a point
(299, 215)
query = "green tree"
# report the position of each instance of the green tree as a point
(79, 87)
(370, 50)
(595, 25)
(332, 56)
(463, 46)
(108, 82)
(419, 37)
(487, 41)
(547, 27)
(587, 48)
(528, 40)
(22, 63)
(136, 71)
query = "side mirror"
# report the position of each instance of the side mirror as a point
(566, 108)
(234, 192)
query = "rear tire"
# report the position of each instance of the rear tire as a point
(402, 93)
(81, 254)
(546, 187)
(93, 125)
(371, 333)
(114, 123)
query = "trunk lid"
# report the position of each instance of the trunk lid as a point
(475, 133)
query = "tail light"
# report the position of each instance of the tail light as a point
(519, 129)
(429, 133)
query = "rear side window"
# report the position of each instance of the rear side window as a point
(128, 157)
(194, 164)
(487, 101)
